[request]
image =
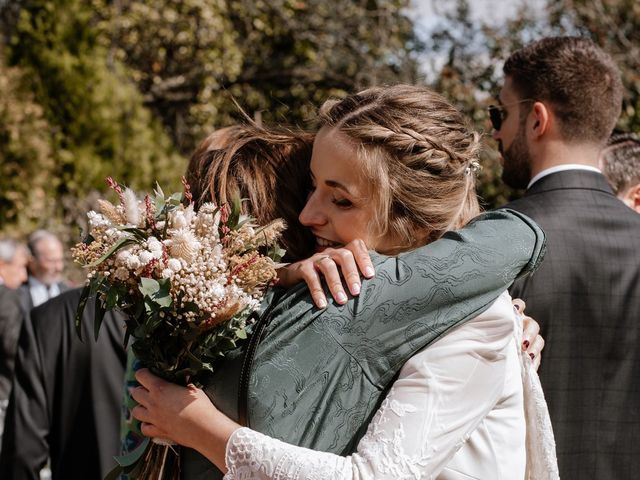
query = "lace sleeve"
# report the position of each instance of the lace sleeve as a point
(542, 463)
(440, 397)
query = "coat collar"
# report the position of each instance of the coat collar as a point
(571, 179)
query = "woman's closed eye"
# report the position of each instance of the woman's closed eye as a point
(342, 202)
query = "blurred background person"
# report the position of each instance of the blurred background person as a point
(13, 272)
(45, 267)
(620, 163)
(64, 407)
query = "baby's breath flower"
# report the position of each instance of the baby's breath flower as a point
(174, 264)
(145, 256)
(167, 273)
(97, 220)
(155, 247)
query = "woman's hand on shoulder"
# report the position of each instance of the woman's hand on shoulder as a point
(338, 266)
(532, 342)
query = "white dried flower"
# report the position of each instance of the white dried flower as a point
(167, 273)
(131, 207)
(177, 219)
(207, 220)
(155, 246)
(97, 220)
(189, 213)
(216, 291)
(121, 258)
(174, 264)
(184, 245)
(145, 257)
(133, 262)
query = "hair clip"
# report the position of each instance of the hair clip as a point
(474, 166)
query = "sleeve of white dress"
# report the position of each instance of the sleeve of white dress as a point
(439, 398)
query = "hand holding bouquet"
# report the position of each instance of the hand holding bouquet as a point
(188, 281)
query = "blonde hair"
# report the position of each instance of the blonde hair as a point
(420, 156)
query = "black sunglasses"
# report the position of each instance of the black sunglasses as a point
(497, 113)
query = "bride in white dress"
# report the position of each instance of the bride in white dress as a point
(469, 406)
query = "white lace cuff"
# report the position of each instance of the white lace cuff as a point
(252, 455)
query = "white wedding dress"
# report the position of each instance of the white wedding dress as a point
(469, 406)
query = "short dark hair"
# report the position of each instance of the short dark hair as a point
(621, 161)
(578, 80)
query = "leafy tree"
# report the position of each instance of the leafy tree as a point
(278, 59)
(474, 50)
(615, 26)
(298, 53)
(179, 53)
(98, 125)
(26, 161)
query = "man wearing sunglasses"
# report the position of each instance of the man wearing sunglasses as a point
(559, 103)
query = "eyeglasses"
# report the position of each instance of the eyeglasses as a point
(497, 113)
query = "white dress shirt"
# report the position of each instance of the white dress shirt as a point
(562, 168)
(41, 292)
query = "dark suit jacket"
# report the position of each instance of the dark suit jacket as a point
(67, 395)
(25, 296)
(10, 323)
(586, 297)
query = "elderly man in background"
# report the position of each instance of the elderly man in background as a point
(13, 272)
(620, 163)
(45, 270)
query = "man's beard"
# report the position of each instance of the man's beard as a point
(516, 168)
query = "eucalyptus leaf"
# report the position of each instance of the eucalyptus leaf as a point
(138, 233)
(149, 287)
(276, 253)
(112, 298)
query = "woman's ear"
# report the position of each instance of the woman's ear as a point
(541, 119)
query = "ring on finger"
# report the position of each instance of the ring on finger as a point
(316, 263)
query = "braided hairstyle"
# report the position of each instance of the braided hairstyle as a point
(419, 155)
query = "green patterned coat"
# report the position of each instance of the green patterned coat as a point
(315, 377)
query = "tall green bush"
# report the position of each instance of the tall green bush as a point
(97, 122)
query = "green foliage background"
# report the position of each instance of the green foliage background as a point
(127, 88)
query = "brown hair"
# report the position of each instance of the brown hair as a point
(268, 168)
(621, 161)
(419, 154)
(579, 81)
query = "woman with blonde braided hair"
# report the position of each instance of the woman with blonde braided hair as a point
(434, 330)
